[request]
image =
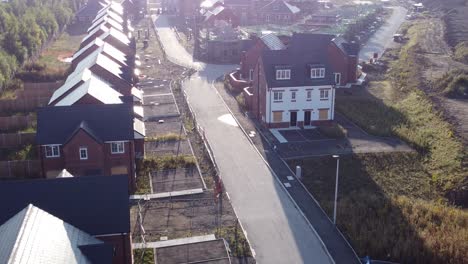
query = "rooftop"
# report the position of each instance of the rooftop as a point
(107, 122)
(35, 235)
(96, 205)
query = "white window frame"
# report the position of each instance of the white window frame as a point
(283, 74)
(54, 154)
(85, 152)
(309, 94)
(293, 95)
(317, 73)
(324, 94)
(277, 96)
(118, 149)
(251, 74)
(337, 74)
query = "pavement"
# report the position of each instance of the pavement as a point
(277, 230)
(383, 38)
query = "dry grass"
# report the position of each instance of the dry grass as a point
(388, 208)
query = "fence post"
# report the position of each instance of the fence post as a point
(9, 169)
(29, 169)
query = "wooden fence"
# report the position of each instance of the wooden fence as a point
(33, 95)
(12, 140)
(20, 169)
(16, 122)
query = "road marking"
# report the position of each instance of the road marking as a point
(287, 184)
(291, 178)
(228, 119)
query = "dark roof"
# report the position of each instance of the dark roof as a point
(98, 205)
(304, 51)
(98, 253)
(90, 9)
(105, 122)
(281, 7)
(351, 49)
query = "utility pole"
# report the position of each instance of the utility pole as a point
(336, 187)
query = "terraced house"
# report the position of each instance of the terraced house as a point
(92, 124)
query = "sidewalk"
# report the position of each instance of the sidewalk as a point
(336, 244)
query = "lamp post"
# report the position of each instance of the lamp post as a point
(337, 157)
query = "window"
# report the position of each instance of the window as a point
(277, 117)
(323, 94)
(316, 73)
(283, 74)
(323, 114)
(251, 74)
(293, 95)
(52, 151)
(337, 78)
(309, 95)
(83, 153)
(117, 147)
(277, 96)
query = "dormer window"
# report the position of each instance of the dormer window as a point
(317, 73)
(283, 74)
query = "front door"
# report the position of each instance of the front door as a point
(293, 120)
(306, 118)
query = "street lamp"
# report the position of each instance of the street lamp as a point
(337, 157)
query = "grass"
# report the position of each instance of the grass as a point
(236, 240)
(166, 138)
(461, 52)
(399, 206)
(388, 207)
(62, 48)
(166, 162)
(410, 114)
(143, 256)
(453, 84)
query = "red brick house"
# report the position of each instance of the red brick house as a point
(219, 13)
(249, 58)
(343, 55)
(294, 87)
(278, 12)
(344, 60)
(101, 139)
(94, 209)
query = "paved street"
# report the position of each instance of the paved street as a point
(277, 231)
(383, 38)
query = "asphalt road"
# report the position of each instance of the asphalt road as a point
(383, 37)
(276, 229)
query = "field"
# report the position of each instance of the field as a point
(388, 208)
(54, 58)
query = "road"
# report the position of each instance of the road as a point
(276, 229)
(383, 37)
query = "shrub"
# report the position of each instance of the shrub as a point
(166, 138)
(333, 131)
(461, 52)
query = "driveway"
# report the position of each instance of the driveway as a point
(275, 228)
(383, 38)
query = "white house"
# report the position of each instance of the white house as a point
(294, 87)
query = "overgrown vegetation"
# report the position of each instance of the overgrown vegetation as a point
(333, 131)
(165, 162)
(25, 27)
(388, 207)
(236, 240)
(399, 206)
(143, 256)
(410, 115)
(461, 52)
(166, 138)
(453, 84)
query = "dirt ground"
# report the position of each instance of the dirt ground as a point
(188, 215)
(439, 58)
